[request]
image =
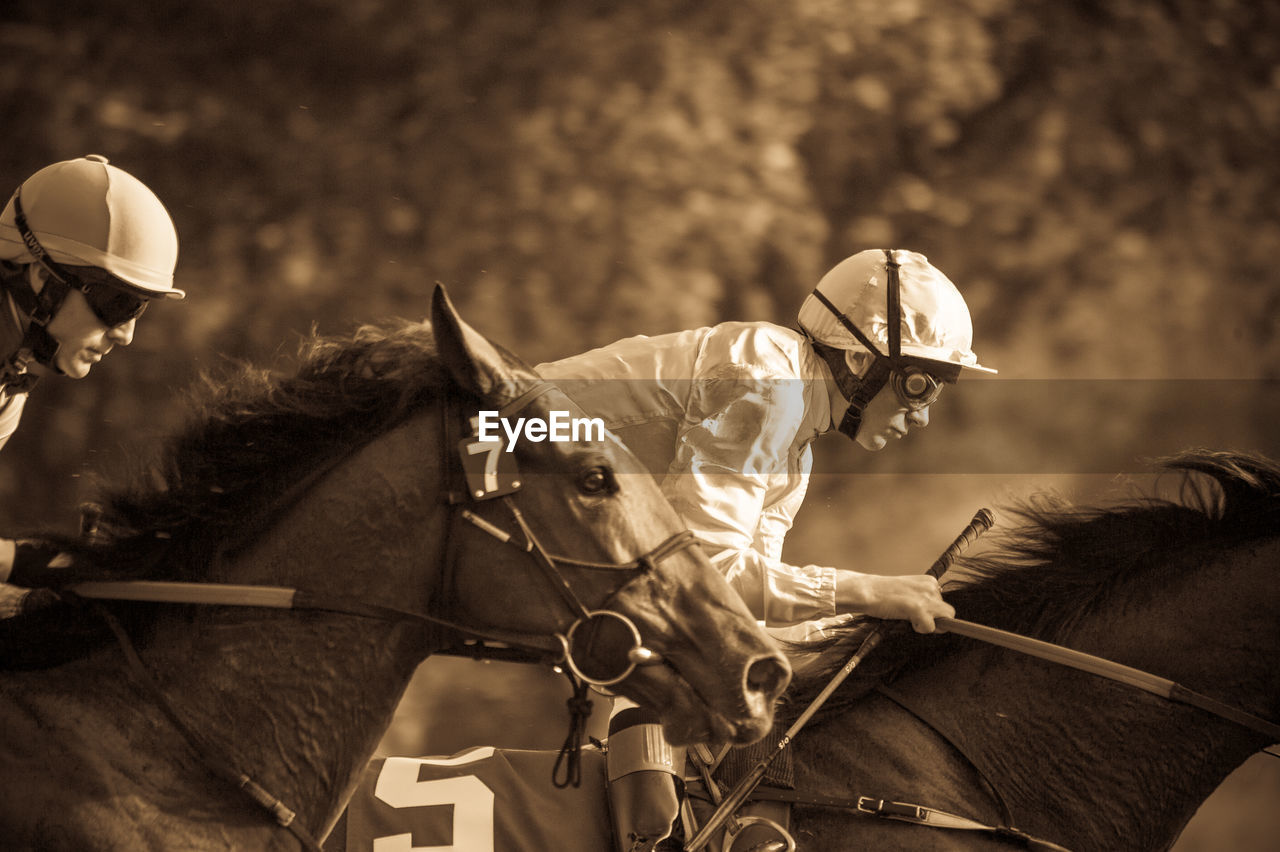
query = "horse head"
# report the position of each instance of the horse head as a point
(622, 558)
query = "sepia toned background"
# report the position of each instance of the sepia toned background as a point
(1099, 178)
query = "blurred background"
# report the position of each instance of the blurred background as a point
(1099, 178)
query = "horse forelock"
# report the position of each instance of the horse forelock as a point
(1061, 562)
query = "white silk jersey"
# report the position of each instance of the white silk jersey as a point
(723, 418)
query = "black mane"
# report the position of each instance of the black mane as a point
(1061, 562)
(248, 437)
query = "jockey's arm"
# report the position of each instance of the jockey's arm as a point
(915, 598)
(731, 481)
(736, 489)
(781, 594)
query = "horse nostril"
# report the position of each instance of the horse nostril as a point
(768, 676)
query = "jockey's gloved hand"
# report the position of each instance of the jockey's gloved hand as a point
(40, 564)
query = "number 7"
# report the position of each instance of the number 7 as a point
(490, 463)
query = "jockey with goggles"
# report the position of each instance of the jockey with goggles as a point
(724, 418)
(84, 248)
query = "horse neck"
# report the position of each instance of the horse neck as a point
(300, 700)
(1091, 763)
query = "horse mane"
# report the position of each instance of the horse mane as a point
(248, 436)
(1060, 562)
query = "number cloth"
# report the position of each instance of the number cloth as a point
(480, 800)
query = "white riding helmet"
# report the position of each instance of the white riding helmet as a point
(86, 212)
(934, 322)
(905, 312)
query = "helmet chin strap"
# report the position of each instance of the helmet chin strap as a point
(860, 390)
(857, 390)
(37, 344)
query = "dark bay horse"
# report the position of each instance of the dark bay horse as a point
(332, 480)
(1187, 589)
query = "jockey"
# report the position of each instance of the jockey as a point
(84, 247)
(724, 418)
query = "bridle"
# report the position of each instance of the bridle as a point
(748, 787)
(563, 648)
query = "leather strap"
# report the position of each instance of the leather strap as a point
(905, 812)
(1136, 678)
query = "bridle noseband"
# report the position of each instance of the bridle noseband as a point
(564, 640)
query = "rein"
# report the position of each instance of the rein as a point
(535, 647)
(1136, 678)
(522, 647)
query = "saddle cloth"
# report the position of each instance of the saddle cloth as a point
(499, 800)
(480, 800)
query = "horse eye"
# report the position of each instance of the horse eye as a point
(596, 481)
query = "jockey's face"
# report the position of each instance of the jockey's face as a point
(886, 419)
(83, 339)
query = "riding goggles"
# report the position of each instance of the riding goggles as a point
(109, 300)
(915, 388)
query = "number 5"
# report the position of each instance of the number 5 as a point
(472, 801)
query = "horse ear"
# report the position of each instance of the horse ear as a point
(476, 364)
